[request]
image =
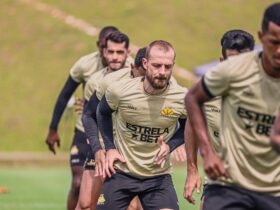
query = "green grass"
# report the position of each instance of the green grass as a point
(47, 188)
(38, 50)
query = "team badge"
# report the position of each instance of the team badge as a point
(74, 150)
(167, 112)
(101, 200)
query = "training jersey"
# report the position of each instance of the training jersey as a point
(140, 118)
(212, 111)
(125, 73)
(250, 100)
(84, 68)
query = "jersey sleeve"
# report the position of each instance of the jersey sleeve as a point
(112, 95)
(89, 89)
(217, 80)
(101, 88)
(76, 72)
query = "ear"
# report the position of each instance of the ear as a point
(128, 52)
(260, 35)
(221, 59)
(145, 63)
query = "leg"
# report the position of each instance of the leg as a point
(218, 197)
(159, 194)
(89, 191)
(265, 201)
(135, 204)
(73, 195)
(78, 154)
(116, 193)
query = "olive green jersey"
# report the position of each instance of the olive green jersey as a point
(140, 119)
(250, 100)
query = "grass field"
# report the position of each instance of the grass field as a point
(47, 188)
(38, 50)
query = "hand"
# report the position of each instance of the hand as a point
(112, 155)
(180, 154)
(100, 159)
(213, 166)
(52, 139)
(163, 152)
(193, 181)
(79, 106)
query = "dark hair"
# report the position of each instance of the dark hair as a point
(105, 31)
(118, 37)
(141, 53)
(272, 13)
(237, 40)
(166, 46)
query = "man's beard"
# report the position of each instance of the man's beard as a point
(162, 81)
(114, 68)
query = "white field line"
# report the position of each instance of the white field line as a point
(89, 29)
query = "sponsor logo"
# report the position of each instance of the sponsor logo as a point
(167, 112)
(145, 134)
(74, 150)
(130, 106)
(101, 200)
(248, 93)
(216, 134)
(90, 162)
(261, 122)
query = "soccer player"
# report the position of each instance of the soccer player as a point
(147, 111)
(115, 52)
(233, 43)
(249, 86)
(79, 74)
(94, 91)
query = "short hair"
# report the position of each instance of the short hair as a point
(163, 44)
(117, 37)
(105, 31)
(237, 40)
(141, 53)
(272, 13)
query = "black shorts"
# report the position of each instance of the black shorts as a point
(218, 197)
(79, 148)
(90, 162)
(154, 193)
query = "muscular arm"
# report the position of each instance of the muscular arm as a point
(105, 124)
(89, 122)
(193, 180)
(194, 100)
(63, 98)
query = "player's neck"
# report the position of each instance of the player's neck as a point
(149, 89)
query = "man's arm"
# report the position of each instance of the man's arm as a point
(105, 124)
(89, 122)
(193, 180)
(63, 98)
(194, 100)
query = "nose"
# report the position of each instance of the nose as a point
(162, 70)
